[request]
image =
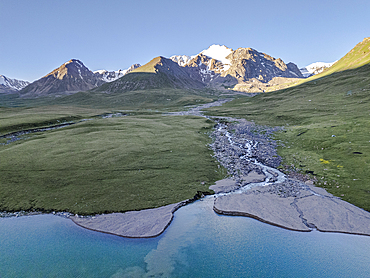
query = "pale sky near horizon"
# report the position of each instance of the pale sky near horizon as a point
(38, 36)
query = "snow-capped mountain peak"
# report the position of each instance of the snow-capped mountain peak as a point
(109, 76)
(215, 51)
(13, 84)
(315, 68)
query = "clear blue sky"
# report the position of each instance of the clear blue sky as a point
(38, 36)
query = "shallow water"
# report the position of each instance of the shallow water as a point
(198, 243)
(52, 246)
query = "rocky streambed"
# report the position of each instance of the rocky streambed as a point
(257, 189)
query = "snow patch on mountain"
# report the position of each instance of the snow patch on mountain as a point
(100, 71)
(315, 68)
(79, 63)
(181, 60)
(215, 51)
(206, 74)
(219, 52)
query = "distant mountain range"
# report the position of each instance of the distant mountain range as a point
(74, 74)
(109, 76)
(71, 77)
(217, 67)
(8, 86)
(158, 73)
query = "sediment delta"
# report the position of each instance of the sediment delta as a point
(296, 206)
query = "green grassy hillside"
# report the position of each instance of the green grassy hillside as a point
(22, 118)
(327, 129)
(162, 99)
(139, 99)
(357, 57)
(106, 165)
(135, 81)
(138, 161)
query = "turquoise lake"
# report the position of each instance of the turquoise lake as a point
(198, 243)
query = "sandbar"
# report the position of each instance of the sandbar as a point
(133, 224)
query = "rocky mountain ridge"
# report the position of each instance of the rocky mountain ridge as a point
(244, 69)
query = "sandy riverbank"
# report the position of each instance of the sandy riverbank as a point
(135, 224)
